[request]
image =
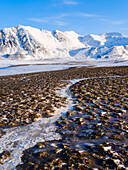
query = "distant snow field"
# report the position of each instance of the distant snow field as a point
(31, 68)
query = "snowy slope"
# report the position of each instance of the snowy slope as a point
(27, 43)
(108, 45)
(106, 39)
(31, 43)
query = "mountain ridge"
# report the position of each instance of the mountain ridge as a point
(28, 43)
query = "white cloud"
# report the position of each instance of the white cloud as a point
(60, 23)
(48, 19)
(70, 2)
(114, 22)
(51, 20)
(38, 20)
(58, 19)
(64, 15)
(90, 15)
(77, 14)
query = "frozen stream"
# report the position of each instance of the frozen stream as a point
(18, 139)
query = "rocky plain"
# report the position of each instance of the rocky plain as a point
(93, 132)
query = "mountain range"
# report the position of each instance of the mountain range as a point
(28, 43)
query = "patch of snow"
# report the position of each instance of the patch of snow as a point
(107, 148)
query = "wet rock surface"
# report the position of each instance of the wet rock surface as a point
(95, 132)
(4, 156)
(24, 100)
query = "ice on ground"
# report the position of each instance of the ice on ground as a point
(12, 67)
(20, 138)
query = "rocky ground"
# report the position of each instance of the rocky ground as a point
(94, 134)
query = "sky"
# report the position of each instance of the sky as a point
(81, 16)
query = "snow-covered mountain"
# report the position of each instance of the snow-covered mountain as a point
(24, 42)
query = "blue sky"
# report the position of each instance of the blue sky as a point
(81, 16)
